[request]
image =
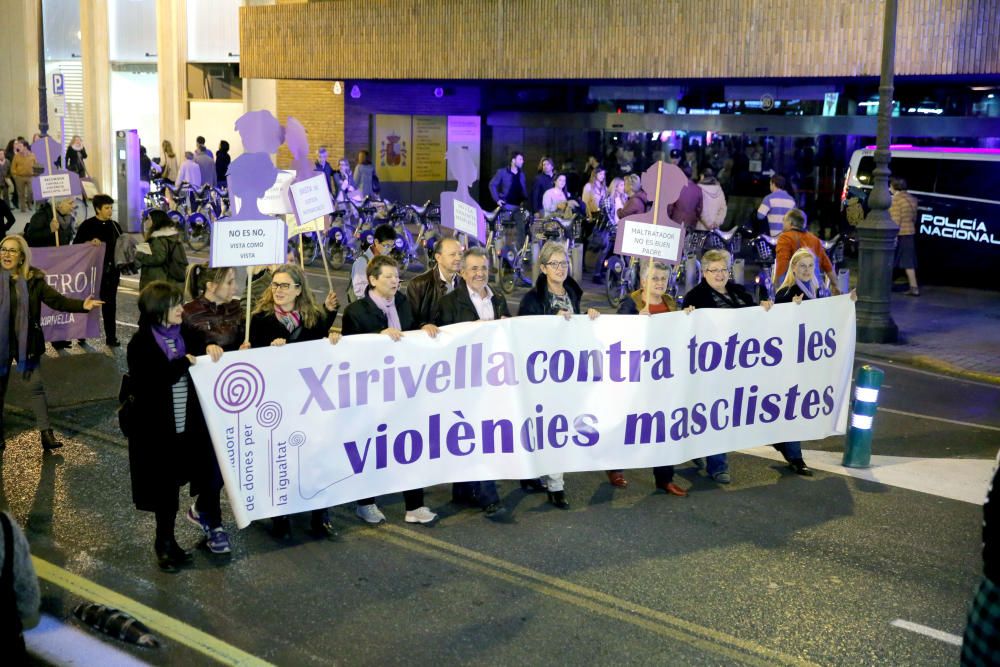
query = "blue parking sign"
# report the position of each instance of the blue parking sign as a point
(58, 87)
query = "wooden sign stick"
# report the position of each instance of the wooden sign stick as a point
(656, 212)
(326, 267)
(52, 200)
(246, 337)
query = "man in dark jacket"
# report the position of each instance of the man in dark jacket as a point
(426, 290)
(474, 301)
(508, 186)
(40, 232)
(97, 230)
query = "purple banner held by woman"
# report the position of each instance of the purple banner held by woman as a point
(73, 271)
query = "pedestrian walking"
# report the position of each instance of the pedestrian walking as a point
(97, 230)
(903, 212)
(162, 256)
(775, 205)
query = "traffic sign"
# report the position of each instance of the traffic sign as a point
(58, 84)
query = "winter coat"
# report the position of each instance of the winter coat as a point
(635, 303)
(687, 209)
(701, 296)
(265, 328)
(166, 261)
(39, 292)
(713, 206)
(536, 300)
(363, 316)
(503, 181)
(458, 307)
(206, 323)
(159, 458)
(424, 293)
(38, 234)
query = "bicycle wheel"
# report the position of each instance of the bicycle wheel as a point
(616, 284)
(505, 276)
(199, 232)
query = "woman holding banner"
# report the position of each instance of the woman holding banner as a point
(800, 283)
(23, 289)
(285, 314)
(652, 276)
(717, 290)
(212, 324)
(386, 310)
(554, 293)
(162, 403)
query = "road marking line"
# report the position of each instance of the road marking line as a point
(940, 635)
(158, 622)
(706, 639)
(127, 324)
(940, 419)
(900, 366)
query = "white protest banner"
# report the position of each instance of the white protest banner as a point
(643, 239)
(55, 185)
(311, 425)
(466, 218)
(248, 242)
(311, 198)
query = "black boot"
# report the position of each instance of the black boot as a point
(558, 498)
(281, 528)
(321, 527)
(531, 485)
(49, 441)
(170, 557)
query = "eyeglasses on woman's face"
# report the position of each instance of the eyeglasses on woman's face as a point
(10, 251)
(557, 265)
(283, 287)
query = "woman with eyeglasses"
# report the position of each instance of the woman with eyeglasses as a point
(654, 276)
(23, 290)
(554, 293)
(718, 290)
(287, 313)
(385, 310)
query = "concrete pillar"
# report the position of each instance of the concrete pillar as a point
(171, 69)
(19, 72)
(94, 42)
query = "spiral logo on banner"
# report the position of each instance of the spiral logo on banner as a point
(297, 439)
(269, 415)
(238, 387)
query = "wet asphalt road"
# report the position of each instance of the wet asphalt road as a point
(773, 569)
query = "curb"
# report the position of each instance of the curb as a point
(928, 362)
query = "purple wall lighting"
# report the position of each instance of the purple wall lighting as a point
(355, 92)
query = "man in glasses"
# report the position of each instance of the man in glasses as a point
(385, 241)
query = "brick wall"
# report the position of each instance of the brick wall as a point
(313, 104)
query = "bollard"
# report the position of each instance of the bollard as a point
(858, 443)
(576, 262)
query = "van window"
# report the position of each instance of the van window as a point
(919, 173)
(969, 178)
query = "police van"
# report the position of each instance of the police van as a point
(958, 201)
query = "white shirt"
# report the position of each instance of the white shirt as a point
(191, 173)
(551, 200)
(449, 284)
(482, 304)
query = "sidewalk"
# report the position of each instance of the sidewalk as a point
(947, 329)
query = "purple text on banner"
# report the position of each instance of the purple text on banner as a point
(73, 271)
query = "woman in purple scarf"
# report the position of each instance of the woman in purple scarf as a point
(162, 395)
(23, 290)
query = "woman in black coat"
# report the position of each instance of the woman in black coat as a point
(212, 324)
(162, 396)
(385, 310)
(23, 290)
(554, 293)
(717, 290)
(287, 313)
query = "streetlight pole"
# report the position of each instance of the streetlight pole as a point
(877, 233)
(43, 110)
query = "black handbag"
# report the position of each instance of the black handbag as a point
(126, 402)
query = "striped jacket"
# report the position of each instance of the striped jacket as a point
(903, 212)
(774, 207)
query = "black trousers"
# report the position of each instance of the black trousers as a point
(109, 295)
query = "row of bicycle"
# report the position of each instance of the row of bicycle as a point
(514, 234)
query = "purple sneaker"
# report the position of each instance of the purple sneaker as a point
(218, 541)
(197, 519)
